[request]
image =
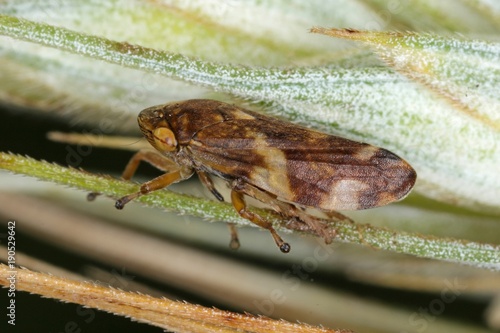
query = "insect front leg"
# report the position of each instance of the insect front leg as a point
(174, 173)
(153, 185)
(150, 156)
(240, 205)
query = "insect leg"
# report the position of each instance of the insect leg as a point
(234, 244)
(152, 157)
(299, 219)
(174, 174)
(241, 207)
(152, 185)
(207, 181)
(336, 216)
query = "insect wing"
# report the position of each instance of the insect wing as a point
(302, 166)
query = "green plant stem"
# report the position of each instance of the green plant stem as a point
(476, 254)
(138, 57)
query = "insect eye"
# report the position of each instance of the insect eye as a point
(164, 139)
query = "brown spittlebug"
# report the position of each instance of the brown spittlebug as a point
(286, 166)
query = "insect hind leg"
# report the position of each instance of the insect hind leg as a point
(299, 218)
(240, 205)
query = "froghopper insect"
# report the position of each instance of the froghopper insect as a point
(289, 167)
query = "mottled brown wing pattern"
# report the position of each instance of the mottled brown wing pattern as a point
(278, 163)
(299, 165)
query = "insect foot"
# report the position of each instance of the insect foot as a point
(120, 203)
(92, 195)
(234, 244)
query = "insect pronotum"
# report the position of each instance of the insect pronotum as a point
(286, 166)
